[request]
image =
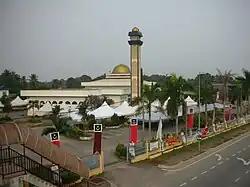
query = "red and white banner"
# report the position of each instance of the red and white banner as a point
(133, 130)
(55, 138)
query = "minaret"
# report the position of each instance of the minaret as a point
(135, 61)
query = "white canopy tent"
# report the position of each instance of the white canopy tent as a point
(190, 101)
(75, 116)
(104, 111)
(33, 111)
(18, 102)
(45, 109)
(125, 110)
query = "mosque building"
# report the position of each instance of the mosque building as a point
(119, 85)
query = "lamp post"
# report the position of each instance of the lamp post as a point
(199, 117)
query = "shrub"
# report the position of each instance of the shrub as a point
(5, 118)
(34, 120)
(120, 150)
(68, 177)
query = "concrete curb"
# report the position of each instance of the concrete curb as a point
(204, 155)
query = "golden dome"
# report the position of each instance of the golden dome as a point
(135, 29)
(121, 69)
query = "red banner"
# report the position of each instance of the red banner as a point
(97, 142)
(190, 120)
(133, 133)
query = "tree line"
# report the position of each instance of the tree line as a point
(233, 90)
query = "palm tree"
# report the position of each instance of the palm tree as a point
(173, 88)
(246, 86)
(225, 78)
(5, 100)
(236, 95)
(61, 124)
(206, 95)
(33, 81)
(148, 96)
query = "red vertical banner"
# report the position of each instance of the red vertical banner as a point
(55, 138)
(134, 131)
(190, 119)
(97, 138)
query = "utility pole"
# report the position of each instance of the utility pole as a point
(199, 119)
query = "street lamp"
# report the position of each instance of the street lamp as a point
(199, 118)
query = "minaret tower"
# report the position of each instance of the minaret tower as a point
(135, 61)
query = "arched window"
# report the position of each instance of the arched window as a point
(60, 102)
(67, 103)
(42, 103)
(54, 103)
(74, 103)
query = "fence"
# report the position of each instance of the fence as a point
(151, 149)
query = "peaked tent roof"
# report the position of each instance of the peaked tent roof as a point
(46, 107)
(18, 102)
(124, 109)
(190, 101)
(104, 111)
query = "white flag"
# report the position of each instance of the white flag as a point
(159, 130)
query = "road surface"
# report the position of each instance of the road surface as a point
(225, 170)
(228, 168)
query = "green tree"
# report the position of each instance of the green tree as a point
(5, 100)
(148, 96)
(225, 78)
(246, 86)
(61, 124)
(11, 80)
(34, 83)
(173, 88)
(207, 93)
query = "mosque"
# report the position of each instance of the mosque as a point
(119, 85)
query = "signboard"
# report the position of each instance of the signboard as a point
(134, 121)
(55, 138)
(153, 146)
(97, 127)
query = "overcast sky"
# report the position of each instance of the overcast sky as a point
(62, 38)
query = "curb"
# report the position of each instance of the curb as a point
(202, 156)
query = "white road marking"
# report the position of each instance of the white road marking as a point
(247, 172)
(239, 152)
(183, 184)
(207, 156)
(244, 149)
(204, 172)
(248, 146)
(234, 155)
(212, 167)
(194, 178)
(219, 157)
(227, 159)
(236, 180)
(243, 161)
(220, 163)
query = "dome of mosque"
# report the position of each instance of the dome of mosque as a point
(121, 69)
(135, 29)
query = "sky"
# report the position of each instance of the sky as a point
(64, 38)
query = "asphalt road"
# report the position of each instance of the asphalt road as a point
(225, 170)
(212, 170)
